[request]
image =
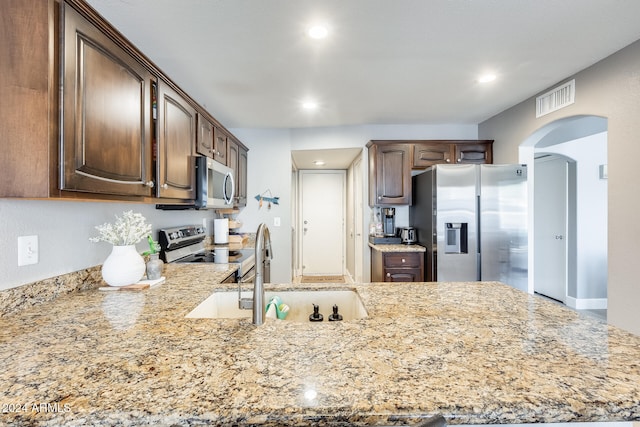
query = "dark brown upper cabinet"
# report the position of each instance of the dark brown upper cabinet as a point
(88, 116)
(433, 152)
(391, 163)
(477, 152)
(221, 146)
(106, 112)
(205, 138)
(389, 173)
(238, 162)
(176, 145)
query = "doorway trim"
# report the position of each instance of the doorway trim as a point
(559, 131)
(301, 219)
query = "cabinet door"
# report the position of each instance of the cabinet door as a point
(390, 171)
(176, 128)
(427, 154)
(403, 275)
(106, 114)
(243, 158)
(474, 153)
(238, 162)
(205, 138)
(220, 146)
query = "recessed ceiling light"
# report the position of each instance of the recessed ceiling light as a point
(310, 105)
(318, 32)
(318, 162)
(486, 78)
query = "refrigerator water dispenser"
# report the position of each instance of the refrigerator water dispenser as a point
(456, 240)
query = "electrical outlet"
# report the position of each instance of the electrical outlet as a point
(27, 250)
(276, 221)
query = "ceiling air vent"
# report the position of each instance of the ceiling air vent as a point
(556, 99)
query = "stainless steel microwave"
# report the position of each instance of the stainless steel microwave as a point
(214, 184)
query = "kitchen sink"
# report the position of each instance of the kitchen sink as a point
(224, 304)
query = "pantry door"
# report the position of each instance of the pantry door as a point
(322, 196)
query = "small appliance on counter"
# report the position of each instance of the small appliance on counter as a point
(221, 231)
(383, 231)
(407, 235)
(389, 222)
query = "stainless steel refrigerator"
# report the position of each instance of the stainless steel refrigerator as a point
(473, 221)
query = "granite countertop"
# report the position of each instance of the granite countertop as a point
(477, 353)
(396, 247)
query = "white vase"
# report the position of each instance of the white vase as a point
(124, 266)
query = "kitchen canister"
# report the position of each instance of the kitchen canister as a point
(221, 231)
(154, 267)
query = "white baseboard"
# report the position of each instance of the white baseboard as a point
(587, 303)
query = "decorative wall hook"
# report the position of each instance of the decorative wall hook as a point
(269, 199)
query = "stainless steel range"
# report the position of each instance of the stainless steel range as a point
(186, 245)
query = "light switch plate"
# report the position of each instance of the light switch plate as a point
(27, 250)
(276, 221)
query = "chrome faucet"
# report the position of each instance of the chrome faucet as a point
(263, 255)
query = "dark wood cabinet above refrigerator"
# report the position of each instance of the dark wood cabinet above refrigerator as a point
(429, 153)
(391, 163)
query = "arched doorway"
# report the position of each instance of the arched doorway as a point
(581, 139)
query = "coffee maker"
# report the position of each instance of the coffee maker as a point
(389, 222)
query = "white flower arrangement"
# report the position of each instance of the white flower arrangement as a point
(127, 230)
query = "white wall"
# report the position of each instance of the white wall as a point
(63, 230)
(609, 89)
(269, 169)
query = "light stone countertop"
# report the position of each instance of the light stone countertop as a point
(397, 247)
(476, 352)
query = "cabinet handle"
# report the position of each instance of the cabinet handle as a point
(165, 186)
(448, 160)
(150, 184)
(379, 197)
(388, 274)
(403, 261)
(459, 160)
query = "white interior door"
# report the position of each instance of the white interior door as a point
(550, 227)
(322, 195)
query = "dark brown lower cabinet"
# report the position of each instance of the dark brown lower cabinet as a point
(397, 266)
